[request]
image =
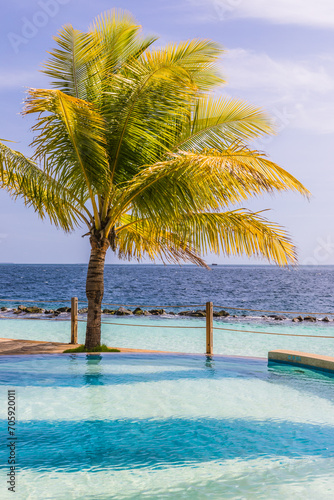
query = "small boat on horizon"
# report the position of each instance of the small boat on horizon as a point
(214, 264)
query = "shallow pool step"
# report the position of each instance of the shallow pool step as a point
(296, 358)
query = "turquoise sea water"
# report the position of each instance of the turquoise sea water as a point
(126, 426)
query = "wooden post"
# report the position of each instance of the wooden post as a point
(74, 320)
(209, 328)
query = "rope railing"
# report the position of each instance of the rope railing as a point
(276, 333)
(38, 301)
(155, 307)
(277, 312)
(173, 326)
(210, 327)
(25, 318)
(182, 327)
(148, 326)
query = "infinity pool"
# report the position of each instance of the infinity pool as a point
(129, 426)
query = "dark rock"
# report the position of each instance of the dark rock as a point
(326, 319)
(198, 314)
(300, 318)
(56, 313)
(312, 319)
(3, 309)
(17, 311)
(185, 313)
(295, 320)
(105, 311)
(63, 309)
(48, 311)
(121, 311)
(138, 311)
(276, 317)
(34, 310)
(22, 308)
(223, 313)
(83, 310)
(172, 313)
(146, 313)
(157, 312)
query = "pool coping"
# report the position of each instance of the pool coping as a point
(303, 359)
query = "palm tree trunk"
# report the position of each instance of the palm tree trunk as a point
(95, 290)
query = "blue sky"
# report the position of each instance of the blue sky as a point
(279, 55)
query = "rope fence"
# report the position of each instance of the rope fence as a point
(277, 312)
(209, 314)
(24, 301)
(276, 333)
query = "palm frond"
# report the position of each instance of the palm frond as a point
(216, 122)
(22, 178)
(137, 239)
(197, 182)
(118, 34)
(236, 233)
(232, 233)
(152, 98)
(72, 65)
(71, 138)
(197, 58)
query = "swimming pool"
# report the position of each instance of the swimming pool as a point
(163, 337)
(130, 426)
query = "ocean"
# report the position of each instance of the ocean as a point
(305, 289)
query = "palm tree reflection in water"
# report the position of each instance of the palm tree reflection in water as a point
(94, 373)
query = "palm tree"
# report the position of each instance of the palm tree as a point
(131, 143)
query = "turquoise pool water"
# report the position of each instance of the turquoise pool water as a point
(127, 333)
(129, 426)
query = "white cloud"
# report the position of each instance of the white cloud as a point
(318, 13)
(248, 70)
(298, 94)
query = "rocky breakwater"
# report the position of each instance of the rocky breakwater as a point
(199, 313)
(297, 319)
(22, 310)
(34, 311)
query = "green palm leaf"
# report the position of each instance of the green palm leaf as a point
(118, 35)
(237, 233)
(22, 178)
(191, 182)
(137, 239)
(72, 65)
(221, 121)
